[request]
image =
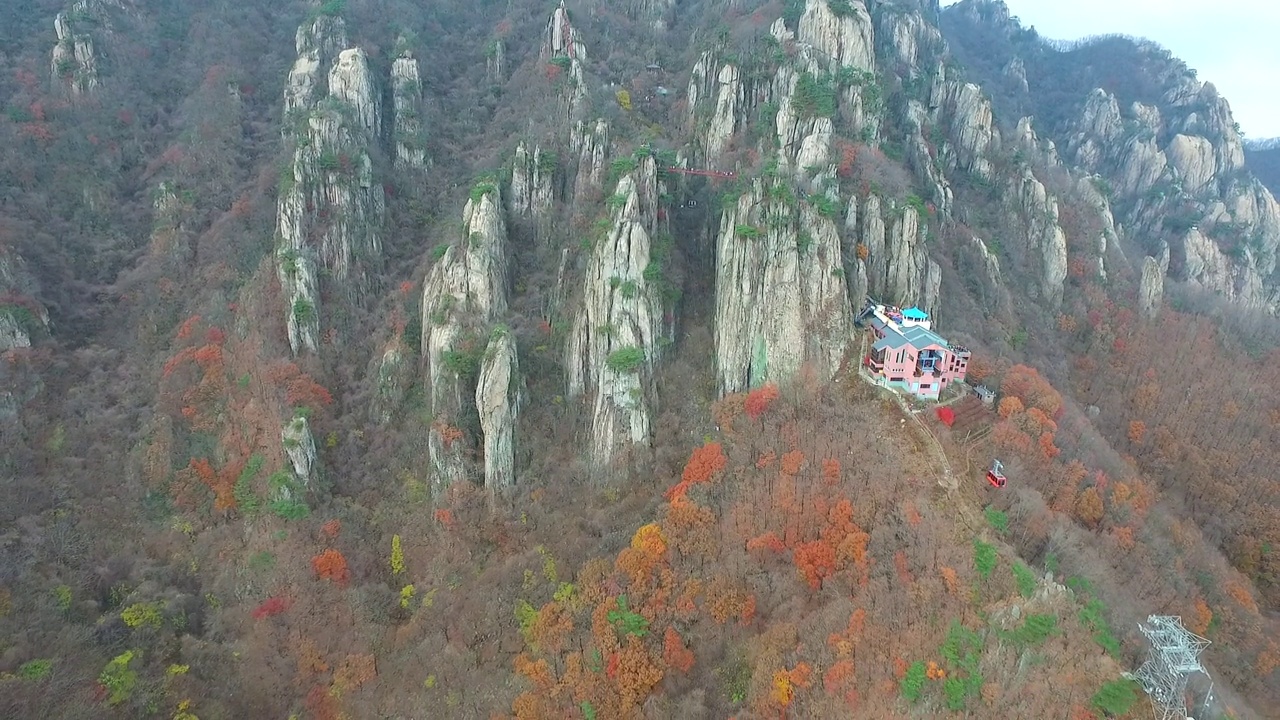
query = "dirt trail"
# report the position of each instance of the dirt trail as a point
(949, 481)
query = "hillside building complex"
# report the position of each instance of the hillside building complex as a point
(908, 355)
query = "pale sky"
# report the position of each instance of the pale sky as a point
(1234, 44)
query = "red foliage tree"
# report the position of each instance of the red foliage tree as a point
(270, 608)
(674, 651)
(758, 400)
(815, 560)
(305, 391)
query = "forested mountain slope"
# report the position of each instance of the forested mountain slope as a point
(499, 359)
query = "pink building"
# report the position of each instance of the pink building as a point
(909, 356)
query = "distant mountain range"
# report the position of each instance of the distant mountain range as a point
(1263, 158)
(1263, 144)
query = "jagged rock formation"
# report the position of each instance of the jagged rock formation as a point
(408, 131)
(498, 400)
(300, 447)
(898, 267)
(1046, 243)
(1151, 287)
(563, 48)
(495, 61)
(1164, 142)
(990, 263)
(658, 13)
(170, 239)
(845, 39)
(532, 182)
(393, 375)
(590, 142)
(725, 85)
(465, 295)
(1108, 238)
(614, 345)
(1182, 165)
(74, 61)
(330, 210)
(781, 299)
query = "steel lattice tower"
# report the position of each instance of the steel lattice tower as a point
(1175, 654)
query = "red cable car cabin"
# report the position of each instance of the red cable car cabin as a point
(995, 475)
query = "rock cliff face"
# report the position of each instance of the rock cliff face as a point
(74, 61)
(781, 299)
(898, 267)
(1163, 141)
(658, 13)
(1151, 288)
(498, 400)
(464, 298)
(844, 38)
(1181, 163)
(394, 374)
(408, 130)
(722, 86)
(21, 315)
(330, 210)
(614, 344)
(1045, 242)
(300, 448)
(564, 49)
(590, 142)
(532, 182)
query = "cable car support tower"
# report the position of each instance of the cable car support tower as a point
(1175, 655)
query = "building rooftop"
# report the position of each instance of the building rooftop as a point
(896, 336)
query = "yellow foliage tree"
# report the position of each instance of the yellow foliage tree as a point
(624, 99)
(397, 556)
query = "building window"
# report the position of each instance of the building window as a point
(925, 387)
(895, 379)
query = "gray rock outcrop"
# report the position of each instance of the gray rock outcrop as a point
(464, 298)
(300, 448)
(329, 209)
(498, 400)
(1183, 160)
(781, 296)
(613, 345)
(899, 269)
(1150, 288)
(74, 61)
(563, 47)
(408, 129)
(845, 38)
(532, 191)
(590, 143)
(1046, 243)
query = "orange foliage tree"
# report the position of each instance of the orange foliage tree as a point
(331, 565)
(1088, 508)
(1027, 384)
(703, 464)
